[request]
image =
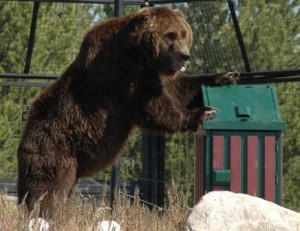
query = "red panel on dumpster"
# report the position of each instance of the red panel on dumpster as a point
(270, 168)
(252, 165)
(235, 164)
(218, 152)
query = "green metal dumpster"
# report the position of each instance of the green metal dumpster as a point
(241, 148)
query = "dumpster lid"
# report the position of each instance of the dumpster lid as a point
(243, 107)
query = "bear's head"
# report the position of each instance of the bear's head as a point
(164, 37)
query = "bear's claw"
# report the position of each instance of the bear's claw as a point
(209, 112)
(226, 78)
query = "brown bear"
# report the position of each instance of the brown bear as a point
(128, 73)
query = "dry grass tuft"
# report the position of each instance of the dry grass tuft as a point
(79, 214)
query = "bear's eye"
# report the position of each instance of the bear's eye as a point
(171, 35)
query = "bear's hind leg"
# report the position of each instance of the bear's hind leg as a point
(57, 193)
(45, 189)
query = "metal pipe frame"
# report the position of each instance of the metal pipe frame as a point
(245, 77)
(127, 2)
(27, 76)
(248, 77)
(115, 171)
(34, 18)
(239, 36)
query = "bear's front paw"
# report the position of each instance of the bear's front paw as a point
(226, 78)
(198, 116)
(208, 113)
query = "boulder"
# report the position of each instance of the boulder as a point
(223, 210)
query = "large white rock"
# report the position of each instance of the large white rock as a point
(227, 211)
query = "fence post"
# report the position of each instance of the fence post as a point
(115, 172)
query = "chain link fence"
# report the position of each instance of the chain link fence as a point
(62, 25)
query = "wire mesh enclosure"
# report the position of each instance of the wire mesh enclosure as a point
(60, 27)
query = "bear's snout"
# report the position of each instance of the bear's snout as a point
(185, 56)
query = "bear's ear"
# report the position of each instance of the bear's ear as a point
(144, 11)
(143, 32)
(178, 13)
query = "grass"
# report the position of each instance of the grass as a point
(78, 214)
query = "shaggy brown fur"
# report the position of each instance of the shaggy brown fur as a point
(127, 74)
